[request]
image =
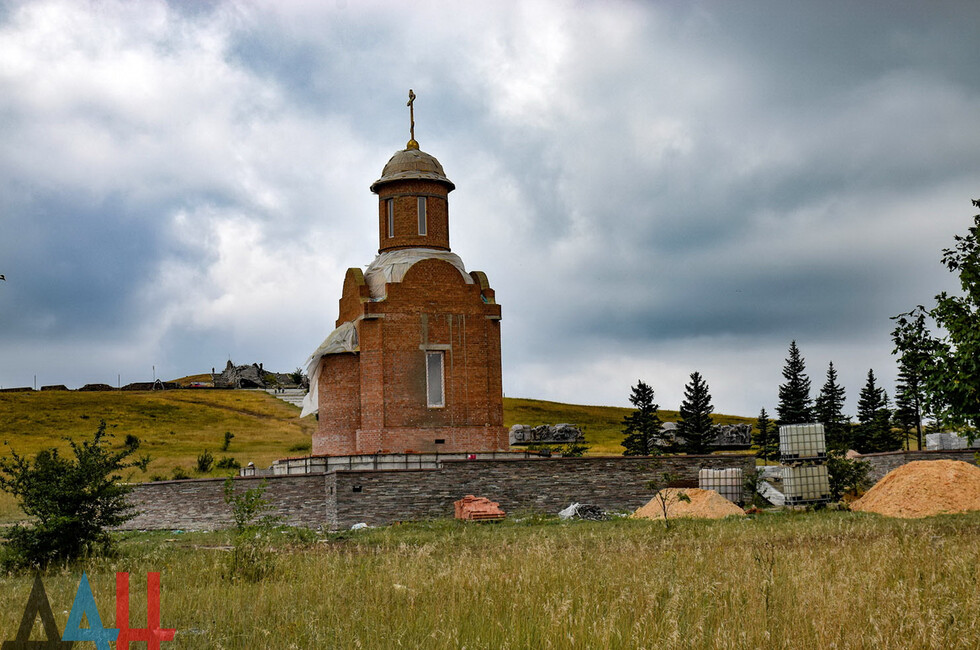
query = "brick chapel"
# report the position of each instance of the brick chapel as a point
(414, 362)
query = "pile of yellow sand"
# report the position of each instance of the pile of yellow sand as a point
(704, 504)
(924, 488)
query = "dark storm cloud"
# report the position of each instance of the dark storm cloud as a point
(73, 267)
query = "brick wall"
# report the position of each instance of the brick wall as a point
(378, 497)
(384, 407)
(884, 462)
(405, 195)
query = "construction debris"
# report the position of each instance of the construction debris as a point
(924, 488)
(471, 508)
(703, 504)
(583, 511)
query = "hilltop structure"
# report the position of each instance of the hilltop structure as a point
(414, 362)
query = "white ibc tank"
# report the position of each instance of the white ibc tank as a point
(807, 484)
(802, 441)
(726, 482)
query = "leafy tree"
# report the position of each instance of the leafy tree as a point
(948, 363)
(874, 432)
(72, 501)
(642, 427)
(765, 437)
(694, 424)
(829, 409)
(794, 396)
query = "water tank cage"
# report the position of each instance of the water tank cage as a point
(802, 442)
(726, 482)
(806, 485)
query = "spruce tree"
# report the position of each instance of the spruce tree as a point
(874, 431)
(794, 396)
(642, 427)
(694, 424)
(828, 408)
(909, 398)
(765, 437)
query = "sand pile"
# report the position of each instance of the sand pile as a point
(924, 488)
(704, 504)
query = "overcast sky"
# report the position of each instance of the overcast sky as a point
(652, 188)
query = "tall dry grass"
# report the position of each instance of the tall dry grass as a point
(825, 580)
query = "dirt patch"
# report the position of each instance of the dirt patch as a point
(924, 488)
(704, 504)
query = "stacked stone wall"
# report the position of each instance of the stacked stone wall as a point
(379, 497)
(199, 504)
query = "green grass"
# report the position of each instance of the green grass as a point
(810, 581)
(602, 425)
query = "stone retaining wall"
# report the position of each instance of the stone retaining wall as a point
(614, 483)
(884, 462)
(199, 504)
(378, 497)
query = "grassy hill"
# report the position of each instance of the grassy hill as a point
(176, 426)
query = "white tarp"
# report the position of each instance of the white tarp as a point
(391, 266)
(342, 339)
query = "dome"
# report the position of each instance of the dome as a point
(412, 164)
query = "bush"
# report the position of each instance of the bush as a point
(228, 436)
(250, 559)
(179, 474)
(205, 461)
(72, 502)
(846, 475)
(303, 446)
(227, 462)
(143, 462)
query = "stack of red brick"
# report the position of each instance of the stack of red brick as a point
(471, 508)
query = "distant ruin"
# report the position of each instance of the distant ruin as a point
(727, 436)
(523, 434)
(255, 376)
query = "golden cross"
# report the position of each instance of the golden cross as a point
(412, 144)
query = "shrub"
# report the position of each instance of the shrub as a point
(227, 462)
(846, 475)
(303, 446)
(250, 559)
(205, 461)
(179, 474)
(72, 502)
(228, 436)
(143, 462)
